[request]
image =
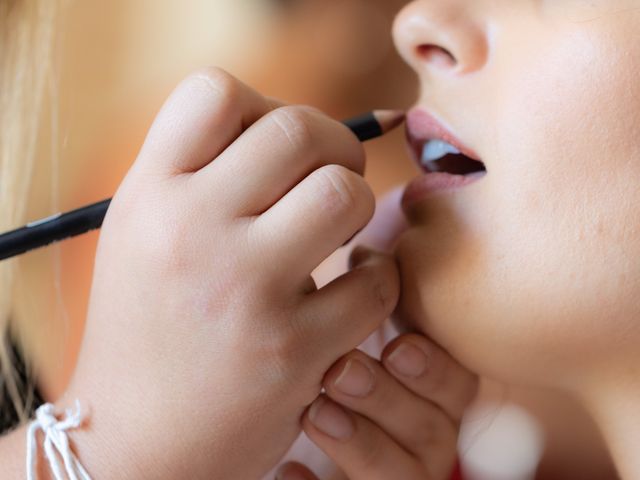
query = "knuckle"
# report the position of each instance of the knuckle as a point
(219, 80)
(295, 123)
(225, 90)
(340, 189)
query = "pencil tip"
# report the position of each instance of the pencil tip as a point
(389, 119)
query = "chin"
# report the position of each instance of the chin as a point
(419, 298)
(447, 295)
(438, 262)
(427, 309)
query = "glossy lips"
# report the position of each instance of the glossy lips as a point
(446, 162)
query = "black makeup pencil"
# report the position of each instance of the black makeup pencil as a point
(76, 222)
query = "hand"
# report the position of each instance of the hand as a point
(394, 418)
(206, 338)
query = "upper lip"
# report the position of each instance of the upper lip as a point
(422, 126)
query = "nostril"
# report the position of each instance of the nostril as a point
(436, 55)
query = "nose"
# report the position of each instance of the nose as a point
(439, 37)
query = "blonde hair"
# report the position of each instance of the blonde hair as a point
(26, 36)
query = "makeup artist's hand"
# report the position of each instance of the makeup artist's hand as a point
(206, 337)
(394, 418)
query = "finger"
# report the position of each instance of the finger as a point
(314, 219)
(279, 151)
(203, 115)
(387, 224)
(431, 373)
(343, 313)
(362, 384)
(359, 447)
(295, 471)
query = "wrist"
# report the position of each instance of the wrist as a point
(103, 443)
(13, 455)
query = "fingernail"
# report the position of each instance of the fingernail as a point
(356, 379)
(358, 256)
(330, 419)
(288, 473)
(408, 360)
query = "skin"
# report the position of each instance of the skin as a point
(205, 260)
(106, 432)
(568, 10)
(542, 250)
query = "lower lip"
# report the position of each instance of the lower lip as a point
(431, 184)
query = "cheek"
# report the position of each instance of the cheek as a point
(573, 199)
(546, 277)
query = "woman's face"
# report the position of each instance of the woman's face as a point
(531, 273)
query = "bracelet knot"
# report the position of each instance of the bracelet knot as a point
(56, 443)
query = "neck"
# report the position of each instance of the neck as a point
(615, 406)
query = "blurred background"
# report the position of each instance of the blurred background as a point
(118, 60)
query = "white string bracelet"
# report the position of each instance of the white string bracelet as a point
(56, 443)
